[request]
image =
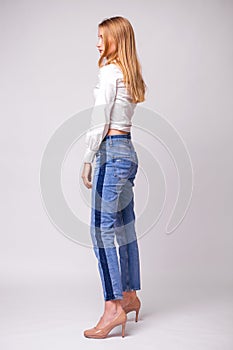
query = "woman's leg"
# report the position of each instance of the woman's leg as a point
(105, 196)
(127, 239)
(110, 176)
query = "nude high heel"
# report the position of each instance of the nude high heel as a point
(100, 333)
(133, 305)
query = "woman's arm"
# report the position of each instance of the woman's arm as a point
(100, 117)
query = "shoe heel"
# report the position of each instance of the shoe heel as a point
(137, 310)
(123, 329)
(137, 313)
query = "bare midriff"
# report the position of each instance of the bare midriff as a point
(116, 132)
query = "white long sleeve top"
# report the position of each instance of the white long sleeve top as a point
(113, 109)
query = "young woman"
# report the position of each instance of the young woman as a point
(119, 89)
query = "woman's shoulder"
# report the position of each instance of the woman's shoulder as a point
(109, 73)
(111, 68)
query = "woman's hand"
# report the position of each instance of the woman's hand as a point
(86, 175)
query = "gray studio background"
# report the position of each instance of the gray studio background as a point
(50, 289)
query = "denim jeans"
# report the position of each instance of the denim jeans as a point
(113, 217)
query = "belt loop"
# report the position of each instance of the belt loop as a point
(110, 140)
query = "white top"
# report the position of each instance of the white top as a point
(113, 109)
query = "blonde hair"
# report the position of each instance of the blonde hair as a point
(120, 31)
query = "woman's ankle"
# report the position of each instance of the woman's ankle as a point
(130, 293)
(113, 306)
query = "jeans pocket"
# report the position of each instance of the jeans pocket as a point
(122, 166)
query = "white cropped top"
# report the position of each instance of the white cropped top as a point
(113, 109)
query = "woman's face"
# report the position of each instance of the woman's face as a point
(100, 43)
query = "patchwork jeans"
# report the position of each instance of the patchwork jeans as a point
(113, 217)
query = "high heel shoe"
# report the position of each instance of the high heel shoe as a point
(100, 333)
(133, 305)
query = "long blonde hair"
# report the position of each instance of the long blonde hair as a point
(120, 31)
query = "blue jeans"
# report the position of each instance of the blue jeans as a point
(113, 217)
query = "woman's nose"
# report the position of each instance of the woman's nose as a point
(98, 42)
